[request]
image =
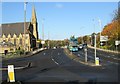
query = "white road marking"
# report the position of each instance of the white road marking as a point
(82, 53)
(44, 53)
(90, 51)
(115, 58)
(116, 63)
(55, 62)
(52, 59)
(113, 63)
(103, 67)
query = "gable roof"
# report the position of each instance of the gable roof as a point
(14, 28)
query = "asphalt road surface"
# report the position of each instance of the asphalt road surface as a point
(54, 66)
(106, 58)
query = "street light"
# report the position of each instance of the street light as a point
(43, 42)
(100, 24)
(48, 40)
(25, 3)
(83, 35)
(94, 39)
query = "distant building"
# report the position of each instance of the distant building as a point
(13, 33)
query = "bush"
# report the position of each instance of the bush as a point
(19, 52)
(104, 47)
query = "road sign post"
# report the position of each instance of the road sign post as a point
(11, 76)
(43, 42)
(116, 44)
(85, 54)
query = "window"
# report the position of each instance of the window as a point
(8, 39)
(20, 41)
(15, 42)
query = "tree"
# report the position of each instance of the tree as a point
(112, 30)
(79, 40)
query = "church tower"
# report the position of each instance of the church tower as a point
(34, 23)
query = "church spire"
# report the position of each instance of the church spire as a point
(34, 19)
(34, 23)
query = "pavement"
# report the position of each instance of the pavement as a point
(53, 65)
(23, 65)
(105, 50)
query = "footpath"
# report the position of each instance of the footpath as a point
(22, 56)
(105, 50)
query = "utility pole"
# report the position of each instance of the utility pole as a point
(48, 41)
(25, 3)
(100, 24)
(43, 33)
(82, 36)
(94, 41)
(95, 47)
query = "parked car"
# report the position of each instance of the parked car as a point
(54, 47)
(80, 46)
(84, 45)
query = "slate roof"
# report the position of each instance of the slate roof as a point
(14, 28)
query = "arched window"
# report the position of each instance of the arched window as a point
(20, 41)
(8, 39)
(4, 37)
(14, 41)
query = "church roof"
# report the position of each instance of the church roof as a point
(14, 28)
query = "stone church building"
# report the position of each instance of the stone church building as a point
(13, 35)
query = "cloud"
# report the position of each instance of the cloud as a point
(58, 5)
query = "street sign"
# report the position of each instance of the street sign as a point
(42, 42)
(103, 38)
(117, 43)
(11, 75)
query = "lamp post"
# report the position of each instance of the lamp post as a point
(100, 24)
(95, 46)
(82, 36)
(43, 32)
(25, 3)
(94, 40)
(48, 40)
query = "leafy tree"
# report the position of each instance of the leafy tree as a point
(112, 30)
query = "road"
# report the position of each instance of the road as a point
(106, 58)
(54, 66)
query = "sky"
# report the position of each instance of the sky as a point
(62, 19)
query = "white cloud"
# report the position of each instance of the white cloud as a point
(58, 5)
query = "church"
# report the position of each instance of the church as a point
(15, 36)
